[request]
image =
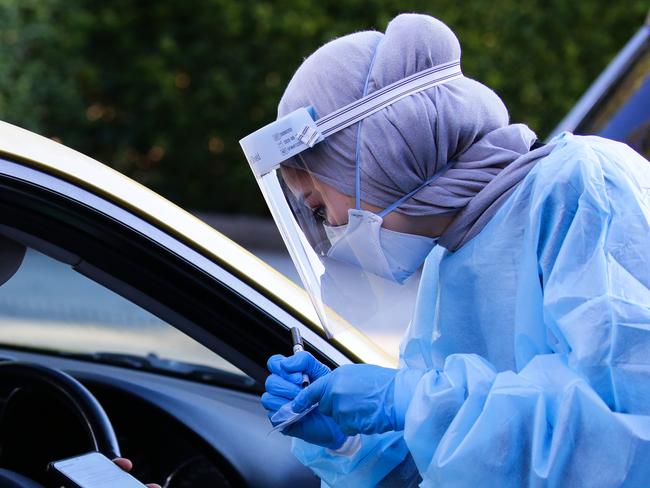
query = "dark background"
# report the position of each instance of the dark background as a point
(163, 90)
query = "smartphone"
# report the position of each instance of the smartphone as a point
(92, 470)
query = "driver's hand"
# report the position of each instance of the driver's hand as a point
(127, 465)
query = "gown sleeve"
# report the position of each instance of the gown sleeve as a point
(579, 415)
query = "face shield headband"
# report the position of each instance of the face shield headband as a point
(266, 148)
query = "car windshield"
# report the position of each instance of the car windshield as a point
(47, 305)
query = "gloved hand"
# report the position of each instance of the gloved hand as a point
(362, 398)
(284, 384)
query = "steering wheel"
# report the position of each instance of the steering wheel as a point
(72, 394)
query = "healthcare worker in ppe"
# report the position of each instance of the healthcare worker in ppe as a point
(527, 359)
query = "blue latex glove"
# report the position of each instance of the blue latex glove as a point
(362, 398)
(283, 385)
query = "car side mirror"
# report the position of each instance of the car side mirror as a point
(11, 257)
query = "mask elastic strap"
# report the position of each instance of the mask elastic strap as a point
(409, 195)
(357, 157)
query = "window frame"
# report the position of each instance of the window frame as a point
(154, 270)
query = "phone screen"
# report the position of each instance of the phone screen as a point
(94, 470)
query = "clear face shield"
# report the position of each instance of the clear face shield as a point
(359, 275)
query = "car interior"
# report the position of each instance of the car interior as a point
(180, 427)
(39, 424)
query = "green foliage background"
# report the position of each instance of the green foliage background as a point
(163, 90)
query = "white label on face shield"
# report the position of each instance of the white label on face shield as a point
(267, 147)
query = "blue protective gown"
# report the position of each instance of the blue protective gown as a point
(536, 340)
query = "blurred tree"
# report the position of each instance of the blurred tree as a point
(163, 90)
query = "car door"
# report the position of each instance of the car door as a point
(153, 269)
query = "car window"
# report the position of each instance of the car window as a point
(48, 305)
(624, 114)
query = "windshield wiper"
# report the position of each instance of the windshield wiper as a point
(153, 363)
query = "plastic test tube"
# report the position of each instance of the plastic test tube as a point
(299, 346)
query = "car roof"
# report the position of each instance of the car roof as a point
(58, 160)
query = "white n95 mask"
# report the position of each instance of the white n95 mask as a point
(364, 243)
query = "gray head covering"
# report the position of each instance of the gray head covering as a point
(461, 123)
